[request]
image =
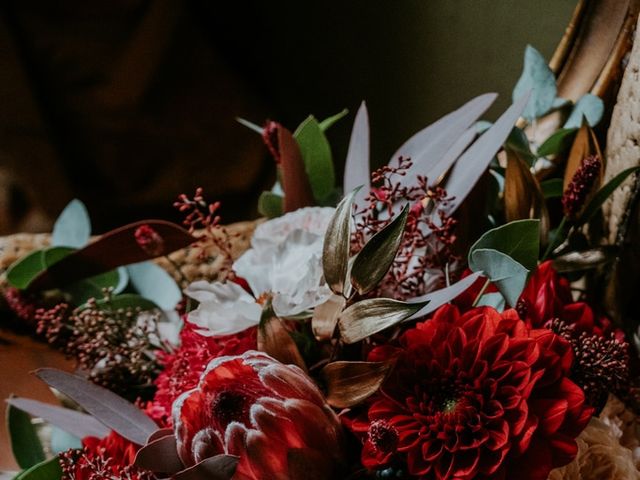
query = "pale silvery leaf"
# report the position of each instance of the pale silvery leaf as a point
(154, 283)
(445, 295)
(224, 308)
(73, 226)
(504, 272)
(538, 78)
(356, 167)
(589, 106)
(492, 299)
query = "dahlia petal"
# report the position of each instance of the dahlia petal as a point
(498, 435)
(551, 413)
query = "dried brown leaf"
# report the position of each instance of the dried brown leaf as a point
(584, 145)
(275, 340)
(349, 383)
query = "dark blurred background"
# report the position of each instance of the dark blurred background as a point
(127, 103)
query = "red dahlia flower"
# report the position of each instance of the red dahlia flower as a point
(270, 415)
(475, 396)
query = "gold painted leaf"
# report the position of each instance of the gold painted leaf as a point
(349, 383)
(325, 317)
(275, 340)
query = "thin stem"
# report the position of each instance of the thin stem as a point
(552, 242)
(481, 292)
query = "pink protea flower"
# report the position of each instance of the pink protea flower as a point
(270, 415)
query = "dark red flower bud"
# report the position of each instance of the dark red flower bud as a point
(149, 241)
(582, 184)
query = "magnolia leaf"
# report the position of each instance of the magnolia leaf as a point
(113, 249)
(557, 143)
(349, 383)
(316, 154)
(505, 273)
(590, 107)
(523, 197)
(73, 226)
(220, 467)
(78, 424)
(107, 407)
(330, 121)
(24, 270)
(492, 299)
(154, 283)
(476, 159)
(337, 244)
(538, 79)
(601, 196)
(25, 444)
(552, 188)
(325, 317)
(373, 315)
(438, 298)
(584, 260)
(46, 470)
(584, 145)
(373, 261)
(160, 455)
(270, 204)
(356, 167)
(520, 240)
(275, 340)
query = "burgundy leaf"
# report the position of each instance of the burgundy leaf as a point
(76, 423)
(356, 168)
(113, 249)
(107, 407)
(160, 455)
(220, 467)
(163, 432)
(297, 190)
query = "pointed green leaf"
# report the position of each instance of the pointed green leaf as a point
(599, 198)
(373, 315)
(519, 240)
(73, 226)
(552, 188)
(46, 470)
(337, 244)
(25, 444)
(328, 122)
(270, 204)
(558, 142)
(507, 275)
(93, 287)
(126, 300)
(25, 269)
(377, 255)
(538, 78)
(316, 155)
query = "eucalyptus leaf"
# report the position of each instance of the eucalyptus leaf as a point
(505, 273)
(154, 283)
(46, 470)
(94, 287)
(62, 441)
(24, 270)
(337, 244)
(25, 444)
(73, 226)
(601, 196)
(552, 188)
(373, 315)
(270, 204)
(377, 255)
(316, 155)
(445, 295)
(125, 301)
(520, 240)
(330, 121)
(518, 142)
(492, 299)
(558, 142)
(250, 125)
(538, 78)
(590, 107)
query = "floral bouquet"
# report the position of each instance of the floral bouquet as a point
(416, 327)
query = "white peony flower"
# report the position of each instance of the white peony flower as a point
(284, 264)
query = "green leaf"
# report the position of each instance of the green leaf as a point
(538, 78)
(154, 283)
(520, 240)
(337, 243)
(24, 270)
(25, 444)
(328, 122)
(558, 142)
(73, 226)
(46, 470)
(505, 273)
(270, 204)
(126, 300)
(552, 188)
(93, 287)
(316, 155)
(601, 196)
(377, 255)
(588, 106)
(373, 315)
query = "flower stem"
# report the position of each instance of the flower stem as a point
(481, 292)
